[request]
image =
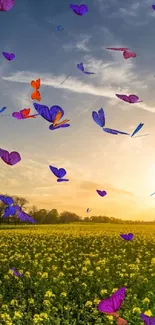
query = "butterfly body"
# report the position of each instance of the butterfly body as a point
(36, 94)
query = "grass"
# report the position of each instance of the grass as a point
(68, 269)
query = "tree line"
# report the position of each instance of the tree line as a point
(44, 216)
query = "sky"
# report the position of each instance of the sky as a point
(121, 165)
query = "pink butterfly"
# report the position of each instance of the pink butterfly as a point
(128, 54)
(111, 305)
(132, 99)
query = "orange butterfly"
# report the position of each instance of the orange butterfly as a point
(36, 94)
(57, 118)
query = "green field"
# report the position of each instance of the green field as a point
(68, 269)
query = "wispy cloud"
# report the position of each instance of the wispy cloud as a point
(81, 45)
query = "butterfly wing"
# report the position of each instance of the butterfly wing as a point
(80, 66)
(130, 236)
(106, 306)
(6, 199)
(6, 5)
(61, 172)
(57, 117)
(99, 117)
(83, 9)
(128, 54)
(89, 73)
(17, 115)
(6, 55)
(79, 10)
(51, 127)
(124, 236)
(113, 131)
(123, 97)
(35, 84)
(36, 95)
(44, 112)
(137, 129)
(56, 113)
(2, 109)
(62, 180)
(12, 158)
(147, 320)
(133, 98)
(153, 7)
(25, 112)
(117, 48)
(54, 170)
(101, 193)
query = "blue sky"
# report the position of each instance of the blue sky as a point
(122, 166)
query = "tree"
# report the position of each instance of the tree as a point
(40, 215)
(66, 217)
(21, 201)
(52, 217)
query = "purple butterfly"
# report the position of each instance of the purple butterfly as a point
(101, 193)
(6, 5)
(59, 173)
(52, 115)
(88, 210)
(132, 99)
(111, 305)
(127, 236)
(79, 10)
(99, 118)
(11, 158)
(8, 56)
(81, 68)
(147, 320)
(153, 7)
(15, 272)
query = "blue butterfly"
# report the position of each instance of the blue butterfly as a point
(59, 28)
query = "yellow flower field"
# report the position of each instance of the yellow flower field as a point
(68, 269)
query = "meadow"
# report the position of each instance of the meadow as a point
(68, 269)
